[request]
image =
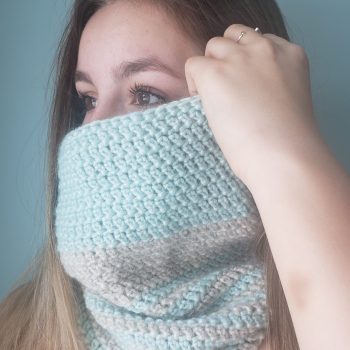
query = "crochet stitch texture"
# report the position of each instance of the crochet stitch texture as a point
(157, 232)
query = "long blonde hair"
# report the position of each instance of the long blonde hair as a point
(40, 312)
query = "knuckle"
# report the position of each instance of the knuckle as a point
(189, 63)
(212, 43)
(190, 60)
(232, 28)
(267, 47)
(299, 53)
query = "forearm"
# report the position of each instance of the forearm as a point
(304, 202)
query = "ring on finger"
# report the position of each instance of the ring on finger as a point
(240, 37)
(243, 33)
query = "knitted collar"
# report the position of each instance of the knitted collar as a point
(157, 233)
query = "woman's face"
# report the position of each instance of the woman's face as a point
(131, 58)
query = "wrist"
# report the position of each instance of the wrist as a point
(277, 163)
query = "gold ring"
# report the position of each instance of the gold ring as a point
(240, 37)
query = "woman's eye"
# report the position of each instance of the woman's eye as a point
(143, 96)
(88, 102)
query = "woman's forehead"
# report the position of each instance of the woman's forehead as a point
(131, 25)
(124, 31)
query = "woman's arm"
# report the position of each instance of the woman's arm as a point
(304, 202)
(258, 101)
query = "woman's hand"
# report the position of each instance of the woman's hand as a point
(257, 98)
(256, 95)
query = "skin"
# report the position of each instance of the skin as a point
(262, 117)
(111, 37)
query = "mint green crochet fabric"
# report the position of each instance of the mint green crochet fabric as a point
(157, 234)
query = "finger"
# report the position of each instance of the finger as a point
(194, 68)
(219, 47)
(276, 39)
(235, 30)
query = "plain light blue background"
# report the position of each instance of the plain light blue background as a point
(29, 31)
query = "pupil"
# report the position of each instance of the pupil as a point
(144, 97)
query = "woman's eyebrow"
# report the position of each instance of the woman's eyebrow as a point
(128, 68)
(82, 76)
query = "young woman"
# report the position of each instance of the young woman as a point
(255, 90)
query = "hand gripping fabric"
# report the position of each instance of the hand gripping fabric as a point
(157, 232)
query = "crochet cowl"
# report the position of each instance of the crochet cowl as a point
(157, 234)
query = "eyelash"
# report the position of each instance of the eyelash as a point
(137, 88)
